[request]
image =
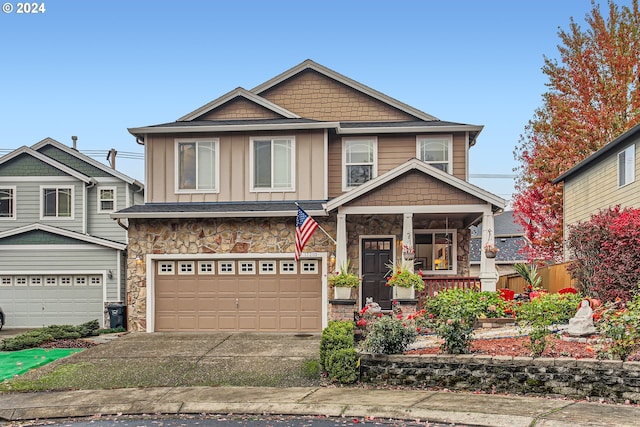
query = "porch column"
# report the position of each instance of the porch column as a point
(341, 241)
(488, 272)
(407, 231)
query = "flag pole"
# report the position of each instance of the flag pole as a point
(322, 229)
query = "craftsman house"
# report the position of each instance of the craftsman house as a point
(212, 247)
(62, 257)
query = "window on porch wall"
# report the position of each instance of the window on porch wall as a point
(434, 251)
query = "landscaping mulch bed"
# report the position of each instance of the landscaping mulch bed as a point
(516, 346)
(69, 343)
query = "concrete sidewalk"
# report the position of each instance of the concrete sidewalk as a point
(434, 406)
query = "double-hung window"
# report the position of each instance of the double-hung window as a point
(436, 151)
(360, 158)
(272, 165)
(57, 202)
(106, 199)
(7, 203)
(627, 166)
(198, 165)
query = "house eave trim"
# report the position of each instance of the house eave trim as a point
(235, 214)
(410, 129)
(65, 233)
(231, 128)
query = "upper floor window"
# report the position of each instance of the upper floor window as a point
(360, 158)
(627, 166)
(106, 199)
(272, 163)
(436, 151)
(198, 165)
(57, 202)
(8, 203)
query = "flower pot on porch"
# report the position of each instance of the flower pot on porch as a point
(341, 292)
(404, 293)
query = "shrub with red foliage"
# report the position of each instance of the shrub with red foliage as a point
(607, 261)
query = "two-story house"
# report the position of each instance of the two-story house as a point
(212, 247)
(604, 179)
(62, 257)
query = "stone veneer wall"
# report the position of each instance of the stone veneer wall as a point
(575, 378)
(251, 235)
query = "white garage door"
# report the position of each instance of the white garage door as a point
(238, 295)
(36, 301)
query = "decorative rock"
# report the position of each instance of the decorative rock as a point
(582, 323)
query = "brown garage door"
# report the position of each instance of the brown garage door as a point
(238, 295)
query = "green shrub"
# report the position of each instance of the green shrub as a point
(620, 326)
(336, 336)
(537, 316)
(37, 337)
(389, 335)
(343, 365)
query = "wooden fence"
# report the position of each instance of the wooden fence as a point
(554, 278)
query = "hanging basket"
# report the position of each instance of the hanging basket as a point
(490, 254)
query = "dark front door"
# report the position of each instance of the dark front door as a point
(376, 254)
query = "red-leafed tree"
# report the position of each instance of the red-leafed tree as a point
(593, 97)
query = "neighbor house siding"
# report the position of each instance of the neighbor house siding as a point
(100, 223)
(67, 259)
(234, 179)
(28, 206)
(597, 188)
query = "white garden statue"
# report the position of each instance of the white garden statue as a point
(582, 323)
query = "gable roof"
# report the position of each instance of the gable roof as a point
(291, 121)
(311, 65)
(46, 159)
(60, 146)
(600, 154)
(66, 233)
(420, 166)
(242, 93)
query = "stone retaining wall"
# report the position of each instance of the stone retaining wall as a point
(574, 378)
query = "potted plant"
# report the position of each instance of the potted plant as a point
(404, 280)
(343, 281)
(491, 250)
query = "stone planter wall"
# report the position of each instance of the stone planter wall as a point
(573, 378)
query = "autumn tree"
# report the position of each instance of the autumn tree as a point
(593, 96)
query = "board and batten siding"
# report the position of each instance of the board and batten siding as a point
(100, 224)
(64, 259)
(597, 188)
(234, 184)
(29, 203)
(393, 150)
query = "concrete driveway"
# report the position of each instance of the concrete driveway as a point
(189, 359)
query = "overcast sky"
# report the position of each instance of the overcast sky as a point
(95, 68)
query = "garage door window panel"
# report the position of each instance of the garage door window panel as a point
(288, 267)
(50, 280)
(186, 267)
(6, 281)
(247, 267)
(309, 267)
(206, 267)
(35, 281)
(267, 267)
(65, 280)
(166, 268)
(226, 267)
(80, 281)
(95, 280)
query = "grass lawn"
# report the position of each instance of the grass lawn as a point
(14, 363)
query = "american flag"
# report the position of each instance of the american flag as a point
(305, 226)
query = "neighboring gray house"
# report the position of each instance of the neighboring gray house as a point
(62, 258)
(509, 238)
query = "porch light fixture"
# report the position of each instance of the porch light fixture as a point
(138, 260)
(110, 274)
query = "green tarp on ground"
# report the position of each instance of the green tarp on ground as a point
(14, 363)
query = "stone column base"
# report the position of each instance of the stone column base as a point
(342, 309)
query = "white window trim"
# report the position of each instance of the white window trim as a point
(19, 278)
(374, 172)
(177, 189)
(90, 281)
(13, 201)
(447, 138)
(222, 264)
(290, 189)
(99, 199)
(47, 278)
(251, 263)
(629, 175)
(202, 263)
(309, 262)
(76, 278)
(293, 263)
(57, 218)
(166, 264)
(61, 280)
(454, 250)
(268, 262)
(190, 264)
(4, 279)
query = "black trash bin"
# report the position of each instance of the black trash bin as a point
(117, 317)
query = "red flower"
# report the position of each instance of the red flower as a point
(361, 323)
